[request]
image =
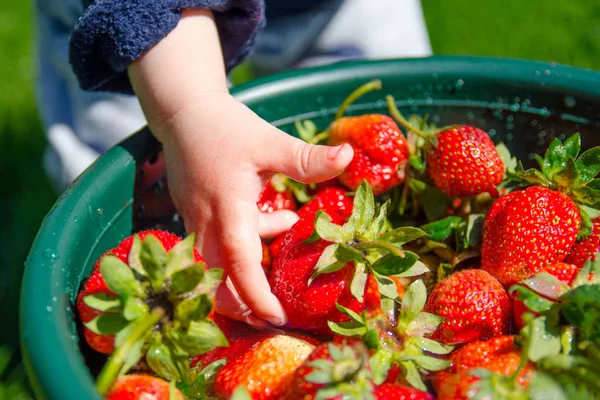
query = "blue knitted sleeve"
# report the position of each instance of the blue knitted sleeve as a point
(113, 33)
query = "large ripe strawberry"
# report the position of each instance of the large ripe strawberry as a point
(498, 355)
(158, 307)
(586, 248)
(142, 387)
(389, 391)
(95, 284)
(265, 369)
(474, 306)
(465, 162)
(321, 264)
(334, 370)
(380, 151)
(538, 226)
(332, 200)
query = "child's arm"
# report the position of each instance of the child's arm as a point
(219, 156)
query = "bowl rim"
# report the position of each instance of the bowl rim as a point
(51, 359)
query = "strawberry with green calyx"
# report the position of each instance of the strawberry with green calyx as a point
(492, 369)
(460, 160)
(160, 309)
(380, 149)
(334, 370)
(143, 387)
(399, 341)
(321, 264)
(539, 293)
(474, 306)
(276, 196)
(389, 391)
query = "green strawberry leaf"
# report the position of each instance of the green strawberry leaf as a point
(542, 341)
(119, 277)
(193, 309)
(413, 377)
(387, 287)
(547, 285)
(200, 337)
(210, 282)
(544, 387)
(474, 229)
(381, 363)
(134, 260)
(186, 280)
(376, 227)
(359, 281)
(435, 203)
(325, 229)
(417, 186)
(531, 299)
(417, 163)
(558, 153)
(400, 236)
(346, 254)
(419, 268)
(581, 308)
(510, 162)
(391, 264)
(567, 177)
(181, 256)
(352, 314)
(530, 177)
(134, 308)
(412, 304)
(423, 324)
(154, 259)
(103, 302)
(432, 346)
(349, 329)
(586, 195)
(107, 324)
(588, 165)
(587, 226)
(441, 230)
(327, 263)
(161, 361)
(363, 208)
(427, 362)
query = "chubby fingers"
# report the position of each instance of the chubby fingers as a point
(276, 222)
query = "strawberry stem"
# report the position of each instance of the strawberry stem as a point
(391, 102)
(363, 89)
(382, 245)
(319, 138)
(111, 369)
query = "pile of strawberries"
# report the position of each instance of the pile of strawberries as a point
(435, 266)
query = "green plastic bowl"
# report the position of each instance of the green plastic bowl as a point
(523, 103)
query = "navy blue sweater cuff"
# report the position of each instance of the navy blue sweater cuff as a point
(113, 33)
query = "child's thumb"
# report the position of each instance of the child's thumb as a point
(305, 162)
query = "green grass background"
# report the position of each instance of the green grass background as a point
(564, 31)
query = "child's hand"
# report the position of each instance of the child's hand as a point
(219, 156)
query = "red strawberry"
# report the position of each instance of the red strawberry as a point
(275, 246)
(266, 369)
(585, 249)
(535, 227)
(474, 306)
(311, 277)
(539, 292)
(341, 368)
(276, 197)
(141, 387)
(465, 162)
(499, 354)
(380, 151)
(333, 200)
(95, 285)
(389, 391)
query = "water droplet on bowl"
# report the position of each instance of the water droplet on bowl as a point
(50, 254)
(54, 299)
(546, 72)
(570, 101)
(100, 211)
(76, 219)
(49, 308)
(459, 84)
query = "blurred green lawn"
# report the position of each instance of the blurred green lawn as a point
(564, 31)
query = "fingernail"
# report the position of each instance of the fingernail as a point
(334, 152)
(276, 321)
